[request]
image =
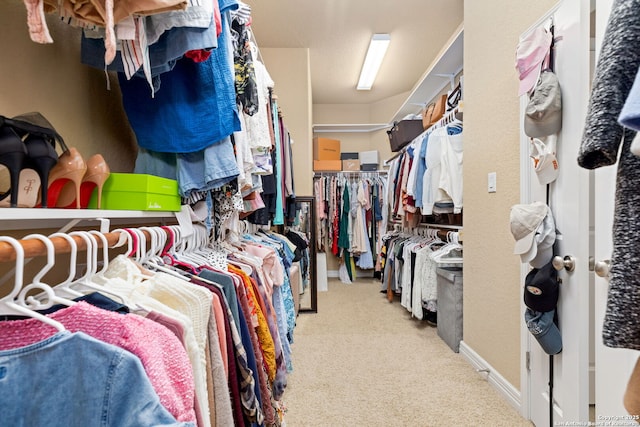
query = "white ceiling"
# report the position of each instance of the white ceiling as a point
(337, 33)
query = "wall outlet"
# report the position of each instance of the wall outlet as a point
(491, 182)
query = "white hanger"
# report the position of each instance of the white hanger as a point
(152, 257)
(105, 253)
(189, 249)
(50, 296)
(63, 289)
(440, 255)
(85, 282)
(242, 266)
(8, 304)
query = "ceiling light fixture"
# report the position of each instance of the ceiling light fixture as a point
(377, 49)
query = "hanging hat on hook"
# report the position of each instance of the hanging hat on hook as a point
(543, 115)
(545, 162)
(541, 289)
(541, 250)
(530, 56)
(543, 328)
(524, 221)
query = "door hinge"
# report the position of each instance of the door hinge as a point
(528, 360)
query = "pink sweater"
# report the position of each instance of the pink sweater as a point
(163, 356)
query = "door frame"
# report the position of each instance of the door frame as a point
(527, 195)
(571, 368)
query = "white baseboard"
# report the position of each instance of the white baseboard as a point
(361, 273)
(497, 381)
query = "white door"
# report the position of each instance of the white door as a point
(613, 366)
(569, 198)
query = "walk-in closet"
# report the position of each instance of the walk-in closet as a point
(219, 213)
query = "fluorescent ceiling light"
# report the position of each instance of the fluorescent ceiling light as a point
(373, 60)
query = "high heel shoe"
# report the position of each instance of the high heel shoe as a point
(65, 179)
(41, 157)
(12, 155)
(97, 173)
(27, 190)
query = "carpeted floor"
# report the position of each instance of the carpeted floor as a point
(361, 361)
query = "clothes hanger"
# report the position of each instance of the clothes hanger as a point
(139, 255)
(63, 289)
(170, 251)
(242, 266)
(153, 260)
(105, 253)
(452, 244)
(49, 296)
(208, 245)
(85, 283)
(8, 304)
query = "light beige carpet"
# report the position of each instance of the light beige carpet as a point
(362, 361)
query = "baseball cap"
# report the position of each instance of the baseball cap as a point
(541, 250)
(541, 288)
(544, 329)
(543, 115)
(530, 54)
(544, 240)
(545, 163)
(524, 221)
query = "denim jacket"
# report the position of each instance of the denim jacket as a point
(73, 380)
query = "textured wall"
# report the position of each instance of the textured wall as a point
(51, 80)
(492, 316)
(289, 69)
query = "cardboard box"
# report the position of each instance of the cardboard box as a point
(327, 165)
(349, 156)
(351, 165)
(326, 149)
(370, 157)
(138, 192)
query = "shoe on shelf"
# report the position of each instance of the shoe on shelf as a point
(12, 156)
(97, 173)
(27, 190)
(41, 157)
(65, 179)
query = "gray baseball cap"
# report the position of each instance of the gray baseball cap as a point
(543, 115)
(543, 328)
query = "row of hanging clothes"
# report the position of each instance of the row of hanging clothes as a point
(425, 179)
(297, 232)
(351, 217)
(196, 93)
(170, 332)
(408, 266)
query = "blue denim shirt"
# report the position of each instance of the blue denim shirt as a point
(195, 106)
(73, 380)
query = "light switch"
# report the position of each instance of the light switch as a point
(491, 182)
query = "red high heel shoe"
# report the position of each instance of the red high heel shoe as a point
(65, 179)
(97, 173)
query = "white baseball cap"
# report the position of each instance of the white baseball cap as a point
(524, 221)
(545, 163)
(541, 250)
